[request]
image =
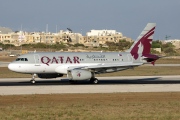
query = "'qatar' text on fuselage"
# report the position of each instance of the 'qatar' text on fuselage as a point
(59, 60)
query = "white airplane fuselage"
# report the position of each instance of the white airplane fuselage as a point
(60, 62)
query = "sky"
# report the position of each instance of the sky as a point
(126, 16)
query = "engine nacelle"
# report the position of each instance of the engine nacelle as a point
(79, 74)
(50, 75)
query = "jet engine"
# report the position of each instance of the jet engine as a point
(79, 74)
(50, 75)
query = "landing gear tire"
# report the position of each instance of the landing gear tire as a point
(33, 81)
(94, 81)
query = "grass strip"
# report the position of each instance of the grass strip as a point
(158, 106)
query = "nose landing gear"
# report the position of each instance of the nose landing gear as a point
(33, 79)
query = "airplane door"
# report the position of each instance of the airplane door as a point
(37, 60)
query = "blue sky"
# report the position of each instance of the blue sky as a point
(126, 16)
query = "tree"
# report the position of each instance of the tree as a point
(121, 45)
(78, 45)
(156, 44)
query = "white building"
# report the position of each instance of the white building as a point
(171, 41)
(175, 42)
(103, 33)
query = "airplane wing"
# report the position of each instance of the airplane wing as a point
(102, 68)
(112, 65)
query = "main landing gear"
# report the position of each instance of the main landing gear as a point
(94, 81)
(33, 79)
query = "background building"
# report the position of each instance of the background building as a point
(175, 42)
(92, 38)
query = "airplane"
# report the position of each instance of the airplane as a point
(85, 65)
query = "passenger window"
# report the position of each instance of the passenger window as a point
(26, 59)
(22, 59)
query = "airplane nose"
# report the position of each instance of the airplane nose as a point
(12, 67)
(16, 67)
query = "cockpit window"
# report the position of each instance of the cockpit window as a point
(21, 59)
(18, 59)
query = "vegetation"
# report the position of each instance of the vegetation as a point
(57, 46)
(120, 46)
(167, 49)
(77, 45)
(156, 44)
(115, 106)
(7, 46)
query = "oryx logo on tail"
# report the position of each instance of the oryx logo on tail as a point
(142, 45)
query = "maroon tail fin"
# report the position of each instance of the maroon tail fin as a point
(143, 43)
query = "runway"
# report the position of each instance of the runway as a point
(20, 86)
(4, 64)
